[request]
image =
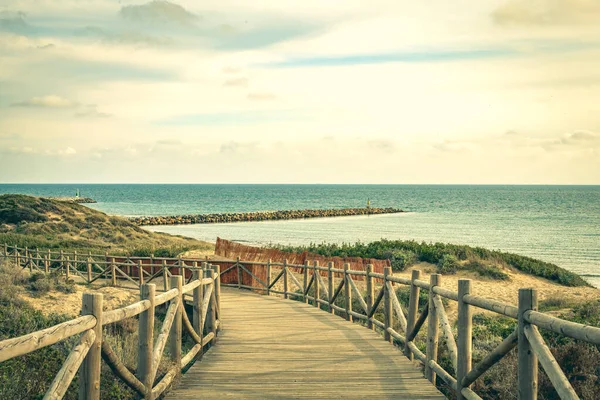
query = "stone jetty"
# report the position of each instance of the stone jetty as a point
(260, 216)
(79, 200)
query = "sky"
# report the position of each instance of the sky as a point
(300, 91)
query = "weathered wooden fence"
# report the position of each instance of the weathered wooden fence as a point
(203, 290)
(381, 288)
(324, 287)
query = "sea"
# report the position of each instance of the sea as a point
(558, 224)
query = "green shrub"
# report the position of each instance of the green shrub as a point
(41, 286)
(401, 259)
(448, 264)
(142, 252)
(435, 252)
(556, 303)
(65, 287)
(485, 270)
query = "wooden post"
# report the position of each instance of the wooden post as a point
(29, 261)
(88, 267)
(211, 314)
(198, 294)
(89, 372)
(388, 317)
(37, 257)
(464, 340)
(176, 328)
(239, 273)
(347, 292)
(217, 292)
(330, 285)
(141, 272)
(316, 284)
(268, 277)
(370, 293)
(285, 279)
(165, 275)
(528, 361)
(17, 257)
(49, 260)
(68, 268)
(433, 329)
(46, 264)
(413, 309)
(181, 269)
(75, 260)
(305, 276)
(113, 272)
(5, 250)
(146, 339)
(107, 260)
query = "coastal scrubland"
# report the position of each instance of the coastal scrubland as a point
(27, 221)
(30, 302)
(449, 258)
(34, 301)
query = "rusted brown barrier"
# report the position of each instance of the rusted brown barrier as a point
(233, 250)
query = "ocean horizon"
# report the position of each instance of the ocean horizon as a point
(554, 223)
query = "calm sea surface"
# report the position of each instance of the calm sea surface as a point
(559, 224)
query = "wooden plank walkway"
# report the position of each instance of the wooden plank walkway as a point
(272, 348)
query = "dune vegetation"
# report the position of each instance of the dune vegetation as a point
(448, 258)
(34, 222)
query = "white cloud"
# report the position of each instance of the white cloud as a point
(236, 82)
(548, 12)
(159, 12)
(68, 151)
(261, 96)
(203, 67)
(50, 101)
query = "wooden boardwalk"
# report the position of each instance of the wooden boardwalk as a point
(272, 348)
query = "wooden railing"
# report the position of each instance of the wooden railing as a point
(318, 286)
(323, 287)
(86, 356)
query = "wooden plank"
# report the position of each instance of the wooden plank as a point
(287, 349)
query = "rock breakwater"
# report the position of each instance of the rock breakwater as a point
(260, 216)
(78, 200)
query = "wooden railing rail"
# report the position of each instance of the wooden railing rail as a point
(379, 300)
(333, 290)
(87, 354)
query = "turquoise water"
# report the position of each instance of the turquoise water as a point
(559, 224)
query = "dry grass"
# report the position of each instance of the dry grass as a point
(27, 221)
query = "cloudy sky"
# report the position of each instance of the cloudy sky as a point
(307, 91)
